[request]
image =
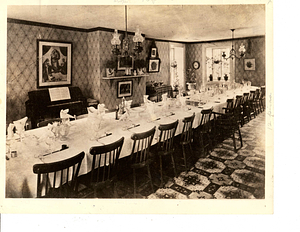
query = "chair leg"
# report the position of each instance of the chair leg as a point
(115, 190)
(149, 174)
(134, 184)
(240, 135)
(202, 143)
(233, 138)
(174, 167)
(184, 158)
(190, 145)
(161, 172)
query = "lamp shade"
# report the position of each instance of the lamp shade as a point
(116, 40)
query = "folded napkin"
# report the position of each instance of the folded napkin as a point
(101, 109)
(146, 99)
(20, 124)
(10, 131)
(92, 112)
(64, 114)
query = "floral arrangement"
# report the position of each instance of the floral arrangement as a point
(190, 75)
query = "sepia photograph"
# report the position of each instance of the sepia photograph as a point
(195, 129)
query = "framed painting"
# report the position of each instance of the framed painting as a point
(154, 65)
(54, 63)
(124, 89)
(153, 52)
(249, 64)
(125, 62)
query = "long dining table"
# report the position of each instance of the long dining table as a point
(21, 182)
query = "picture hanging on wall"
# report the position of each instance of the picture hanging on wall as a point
(153, 52)
(125, 62)
(54, 63)
(154, 65)
(249, 64)
(124, 89)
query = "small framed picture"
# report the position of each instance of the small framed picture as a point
(154, 65)
(249, 64)
(54, 63)
(124, 89)
(153, 52)
(125, 62)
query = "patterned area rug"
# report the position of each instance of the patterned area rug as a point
(224, 173)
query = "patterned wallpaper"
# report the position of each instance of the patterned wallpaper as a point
(255, 48)
(21, 63)
(194, 53)
(90, 51)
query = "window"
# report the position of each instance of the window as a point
(217, 67)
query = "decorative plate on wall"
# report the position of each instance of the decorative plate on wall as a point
(249, 64)
(196, 65)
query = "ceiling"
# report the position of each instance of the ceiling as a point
(182, 23)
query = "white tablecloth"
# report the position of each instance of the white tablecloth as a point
(20, 179)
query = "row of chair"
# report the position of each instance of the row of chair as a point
(105, 162)
(234, 115)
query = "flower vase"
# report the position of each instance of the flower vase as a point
(225, 77)
(210, 77)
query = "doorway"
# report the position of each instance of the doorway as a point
(177, 54)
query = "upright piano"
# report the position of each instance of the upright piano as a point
(39, 106)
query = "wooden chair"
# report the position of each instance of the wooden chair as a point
(205, 130)
(253, 103)
(187, 136)
(46, 122)
(140, 154)
(246, 108)
(230, 106)
(66, 171)
(105, 165)
(227, 126)
(160, 90)
(228, 109)
(262, 98)
(238, 109)
(165, 145)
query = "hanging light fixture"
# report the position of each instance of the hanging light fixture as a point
(115, 42)
(232, 54)
(137, 39)
(125, 45)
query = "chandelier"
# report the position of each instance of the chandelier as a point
(116, 42)
(232, 54)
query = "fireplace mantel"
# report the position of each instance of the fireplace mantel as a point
(111, 79)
